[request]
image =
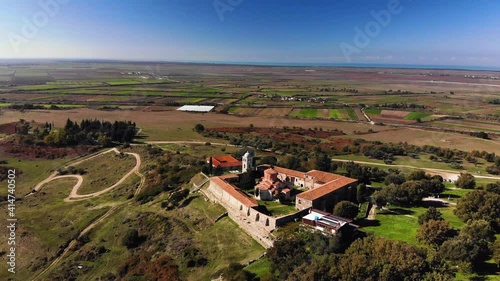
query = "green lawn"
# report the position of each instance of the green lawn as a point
(393, 226)
(416, 115)
(260, 267)
(278, 209)
(404, 226)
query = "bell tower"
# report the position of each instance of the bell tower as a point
(247, 162)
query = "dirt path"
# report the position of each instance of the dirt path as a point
(446, 174)
(373, 212)
(72, 244)
(74, 196)
(432, 199)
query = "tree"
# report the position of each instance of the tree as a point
(472, 245)
(104, 140)
(394, 178)
(436, 185)
(431, 214)
(479, 231)
(361, 193)
(361, 173)
(417, 175)
(479, 204)
(247, 181)
(199, 128)
(131, 238)
(496, 252)
(466, 181)
(408, 194)
(346, 210)
(271, 160)
(373, 258)
(323, 162)
(286, 255)
(435, 232)
(292, 162)
(493, 187)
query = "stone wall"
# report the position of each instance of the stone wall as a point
(302, 204)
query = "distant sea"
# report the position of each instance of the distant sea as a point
(300, 64)
(354, 65)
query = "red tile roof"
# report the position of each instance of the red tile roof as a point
(235, 192)
(323, 177)
(289, 172)
(229, 176)
(326, 188)
(271, 171)
(224, 161)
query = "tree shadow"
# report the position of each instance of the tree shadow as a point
(367, 223)
(435, 204)
(485, 268)
(397, 211)
(263, 209)
(186, 202)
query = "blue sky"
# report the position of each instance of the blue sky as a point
(431, 32)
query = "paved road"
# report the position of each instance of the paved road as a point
(190, 142)
(446, 174)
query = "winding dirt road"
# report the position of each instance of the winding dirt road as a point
(74, 196)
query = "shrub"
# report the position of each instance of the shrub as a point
(131, 239)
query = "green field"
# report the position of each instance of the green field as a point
(373, 111)
(342, 114)
(305, 113)
(190, 100)
(416, 115)
(104, 171)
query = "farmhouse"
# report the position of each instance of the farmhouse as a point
(224, 162)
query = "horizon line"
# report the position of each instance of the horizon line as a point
(282, 64)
